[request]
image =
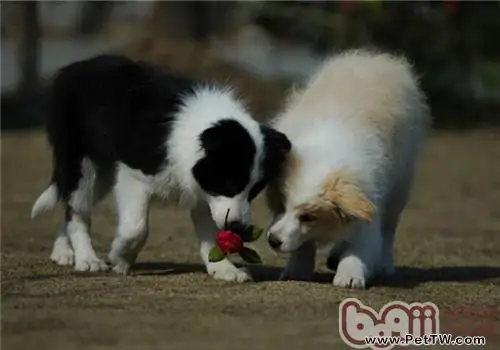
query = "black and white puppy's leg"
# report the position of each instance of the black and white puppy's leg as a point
(62, 251)
(78, 222)
(359, 262)
(300, 266)
(206, 230)
(133, 194)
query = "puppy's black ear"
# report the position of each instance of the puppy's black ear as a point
(277, 146)
(275, 142)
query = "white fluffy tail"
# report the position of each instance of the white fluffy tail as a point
(47, 200)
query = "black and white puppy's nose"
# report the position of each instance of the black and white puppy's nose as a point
(274, 241)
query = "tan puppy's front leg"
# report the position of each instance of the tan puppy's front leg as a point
(301, 263)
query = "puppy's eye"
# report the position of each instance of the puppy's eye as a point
(307, 218)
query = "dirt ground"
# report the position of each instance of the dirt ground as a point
(448, 252)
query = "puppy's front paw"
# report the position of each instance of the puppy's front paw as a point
(92, 264)
(226, 271)
(351, 273)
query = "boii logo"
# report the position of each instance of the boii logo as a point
(395, 319)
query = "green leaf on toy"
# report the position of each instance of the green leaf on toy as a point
(216, 254)
(250, 256)
(252, 234)
(256, 233)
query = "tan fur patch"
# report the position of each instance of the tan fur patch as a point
(343, 193)
(326, 218)
(340, 203)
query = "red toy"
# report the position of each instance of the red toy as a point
(228, 242)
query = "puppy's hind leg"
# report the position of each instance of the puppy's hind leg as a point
(389, 225)
(132, 197)
(392, 213)
(62, 253)
(78, 221)
(206, 230)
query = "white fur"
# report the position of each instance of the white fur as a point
(205, 229)
(133, 191)
(361, 113)
(62, 253)
(46, 201)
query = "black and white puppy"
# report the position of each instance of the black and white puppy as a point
(146, 132)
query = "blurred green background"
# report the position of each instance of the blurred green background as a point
(453, 44)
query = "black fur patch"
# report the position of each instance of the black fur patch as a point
(110, 108)
(230, 151)
(276, 147)
(332, 263)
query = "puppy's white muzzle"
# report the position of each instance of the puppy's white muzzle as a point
(225, 210)
(283, 235)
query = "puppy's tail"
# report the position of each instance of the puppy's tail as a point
(47, 201)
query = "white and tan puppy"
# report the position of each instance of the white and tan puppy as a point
(356, 129)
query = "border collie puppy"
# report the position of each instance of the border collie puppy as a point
(356, 130)
(118, 123)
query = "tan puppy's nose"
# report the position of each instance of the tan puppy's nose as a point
(274, 241)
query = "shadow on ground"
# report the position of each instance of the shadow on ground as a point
(410, 277)
(261, 273)
(405, 277)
